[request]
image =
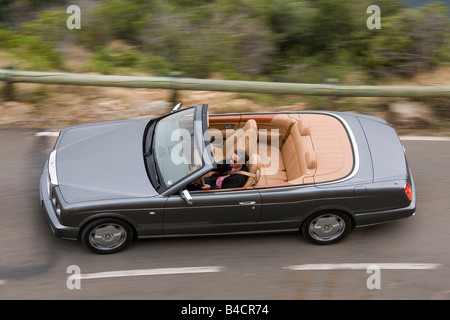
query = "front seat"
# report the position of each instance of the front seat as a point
(244, 138)
(254, 170)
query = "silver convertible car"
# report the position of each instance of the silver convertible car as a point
(318, 173)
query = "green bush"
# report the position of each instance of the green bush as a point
(32, 50)
(156, 65)
(107, 60)
(116, 19)
(283, 40)
(50, 26)
(411, 41)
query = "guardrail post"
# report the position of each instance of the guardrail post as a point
(174, 97)
(8, 89)
(332, 99)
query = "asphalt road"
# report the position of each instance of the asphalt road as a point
(410, 258)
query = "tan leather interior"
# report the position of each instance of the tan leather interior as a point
(244, 138)
(254, 167)
(292, 148)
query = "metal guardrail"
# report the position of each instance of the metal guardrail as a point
(175, 83)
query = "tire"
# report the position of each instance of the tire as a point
(107, 235)
(326, 227)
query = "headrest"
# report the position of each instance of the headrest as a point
(250, 124)
(303, 127)
(310, 158)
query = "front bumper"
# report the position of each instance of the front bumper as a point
(60, 231)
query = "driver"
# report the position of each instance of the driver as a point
(224, 178)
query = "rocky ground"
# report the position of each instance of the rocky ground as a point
(54, 106)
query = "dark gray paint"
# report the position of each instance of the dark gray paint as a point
(102, 162)
(91, 187)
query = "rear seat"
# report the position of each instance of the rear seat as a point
(297, 161)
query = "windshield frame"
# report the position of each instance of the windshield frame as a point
(201, 141)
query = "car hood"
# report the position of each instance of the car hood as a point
(102, 162)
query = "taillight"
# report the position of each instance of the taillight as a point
(408, 191)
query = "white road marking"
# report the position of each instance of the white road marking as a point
(46, 134)
(2, 282)
(423, 138)
(150, 272)
(364, 266)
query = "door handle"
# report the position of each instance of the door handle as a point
(247, 203)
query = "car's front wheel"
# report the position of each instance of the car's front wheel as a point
(106, 235)
(326, 227)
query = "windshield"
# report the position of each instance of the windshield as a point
(176, 146)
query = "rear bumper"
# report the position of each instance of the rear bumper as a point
(370, 218)
(60, 231)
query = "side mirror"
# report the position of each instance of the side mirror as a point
(177, 107)
(186, 196)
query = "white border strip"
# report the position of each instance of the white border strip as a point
(360, 266)
(149, 272)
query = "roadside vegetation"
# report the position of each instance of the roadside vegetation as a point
(284, 40)
(320, 41)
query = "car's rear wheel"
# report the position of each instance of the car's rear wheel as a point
(106, 235)
(326, 227)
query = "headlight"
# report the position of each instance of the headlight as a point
(49, 189)
(52, 181)
(52, 168)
